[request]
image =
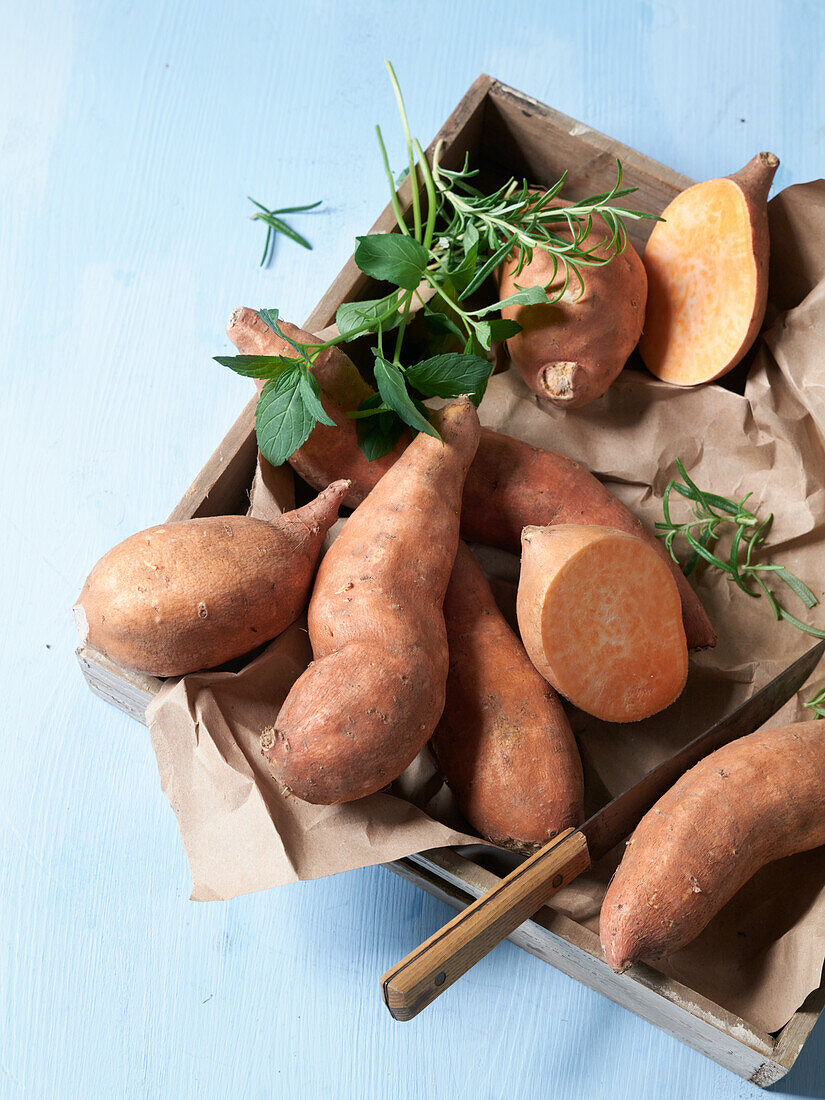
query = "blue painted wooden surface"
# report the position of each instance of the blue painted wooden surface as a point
(130, 135)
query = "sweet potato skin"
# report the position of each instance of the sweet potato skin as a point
(753, 801)
(510, 485)
(371, 699)
(503, 742)
(672, 302)
(570, 351)
(190, 595)
(600, 619)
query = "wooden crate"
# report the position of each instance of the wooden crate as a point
(506, 133)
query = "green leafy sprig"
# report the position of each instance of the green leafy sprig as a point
(289, 406)
(456, 238)
(817, 704)
(275, 224)
(713, 515)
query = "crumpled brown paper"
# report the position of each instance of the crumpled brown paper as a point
(762, 431)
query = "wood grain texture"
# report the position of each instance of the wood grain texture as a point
(415, 982)
(130, 136)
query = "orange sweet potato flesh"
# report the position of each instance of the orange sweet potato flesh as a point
(503, 742)
(707, 270)
(190, 595)
(510, 484)
(753, 801)
(599, 615)
(570, 351)
(370, 701)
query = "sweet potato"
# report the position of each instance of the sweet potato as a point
(707, 270)
(370, 701)
(510, 483)
(503, 742)
(190, 595)
(600, 618)
(753, 801)
(570, 351)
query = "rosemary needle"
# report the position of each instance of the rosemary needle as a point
(275, 224)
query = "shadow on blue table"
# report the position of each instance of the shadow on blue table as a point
(807, 1075)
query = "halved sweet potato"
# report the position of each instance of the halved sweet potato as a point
(600, 618)
(707, 274)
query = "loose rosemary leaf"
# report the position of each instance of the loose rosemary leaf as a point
(278, 225)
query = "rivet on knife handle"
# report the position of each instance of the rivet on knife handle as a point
(441, 960)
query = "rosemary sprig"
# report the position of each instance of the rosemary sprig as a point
(817, 704)
(456, 237)
(713, 515)
(517, 219)
(275, 224)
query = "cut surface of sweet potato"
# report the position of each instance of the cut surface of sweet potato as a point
(600, 618)
(707, 272)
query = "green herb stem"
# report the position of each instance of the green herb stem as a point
(713, 515)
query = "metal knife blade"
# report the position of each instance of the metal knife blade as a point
(620, 817)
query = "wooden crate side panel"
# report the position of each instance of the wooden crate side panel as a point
(527, 138)
(129, 691)
(575, 950)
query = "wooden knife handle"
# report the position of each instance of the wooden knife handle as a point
(441, 960)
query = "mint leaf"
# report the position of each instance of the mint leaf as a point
(379, 434)
(282, 420)
(499, 328)
(311, 397)
(393, 258)
(530, 296)
(353, 318)
(449, 375)
(270, 319)
(257, 366)
(393, 389)
(439, 324)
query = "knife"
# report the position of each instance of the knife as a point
(441, 960)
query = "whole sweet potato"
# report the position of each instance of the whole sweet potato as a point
(369, 702)
(509, 486)
(753, 801)
(600, 619)
(190, 595)
(503, 743)
(569, 351)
